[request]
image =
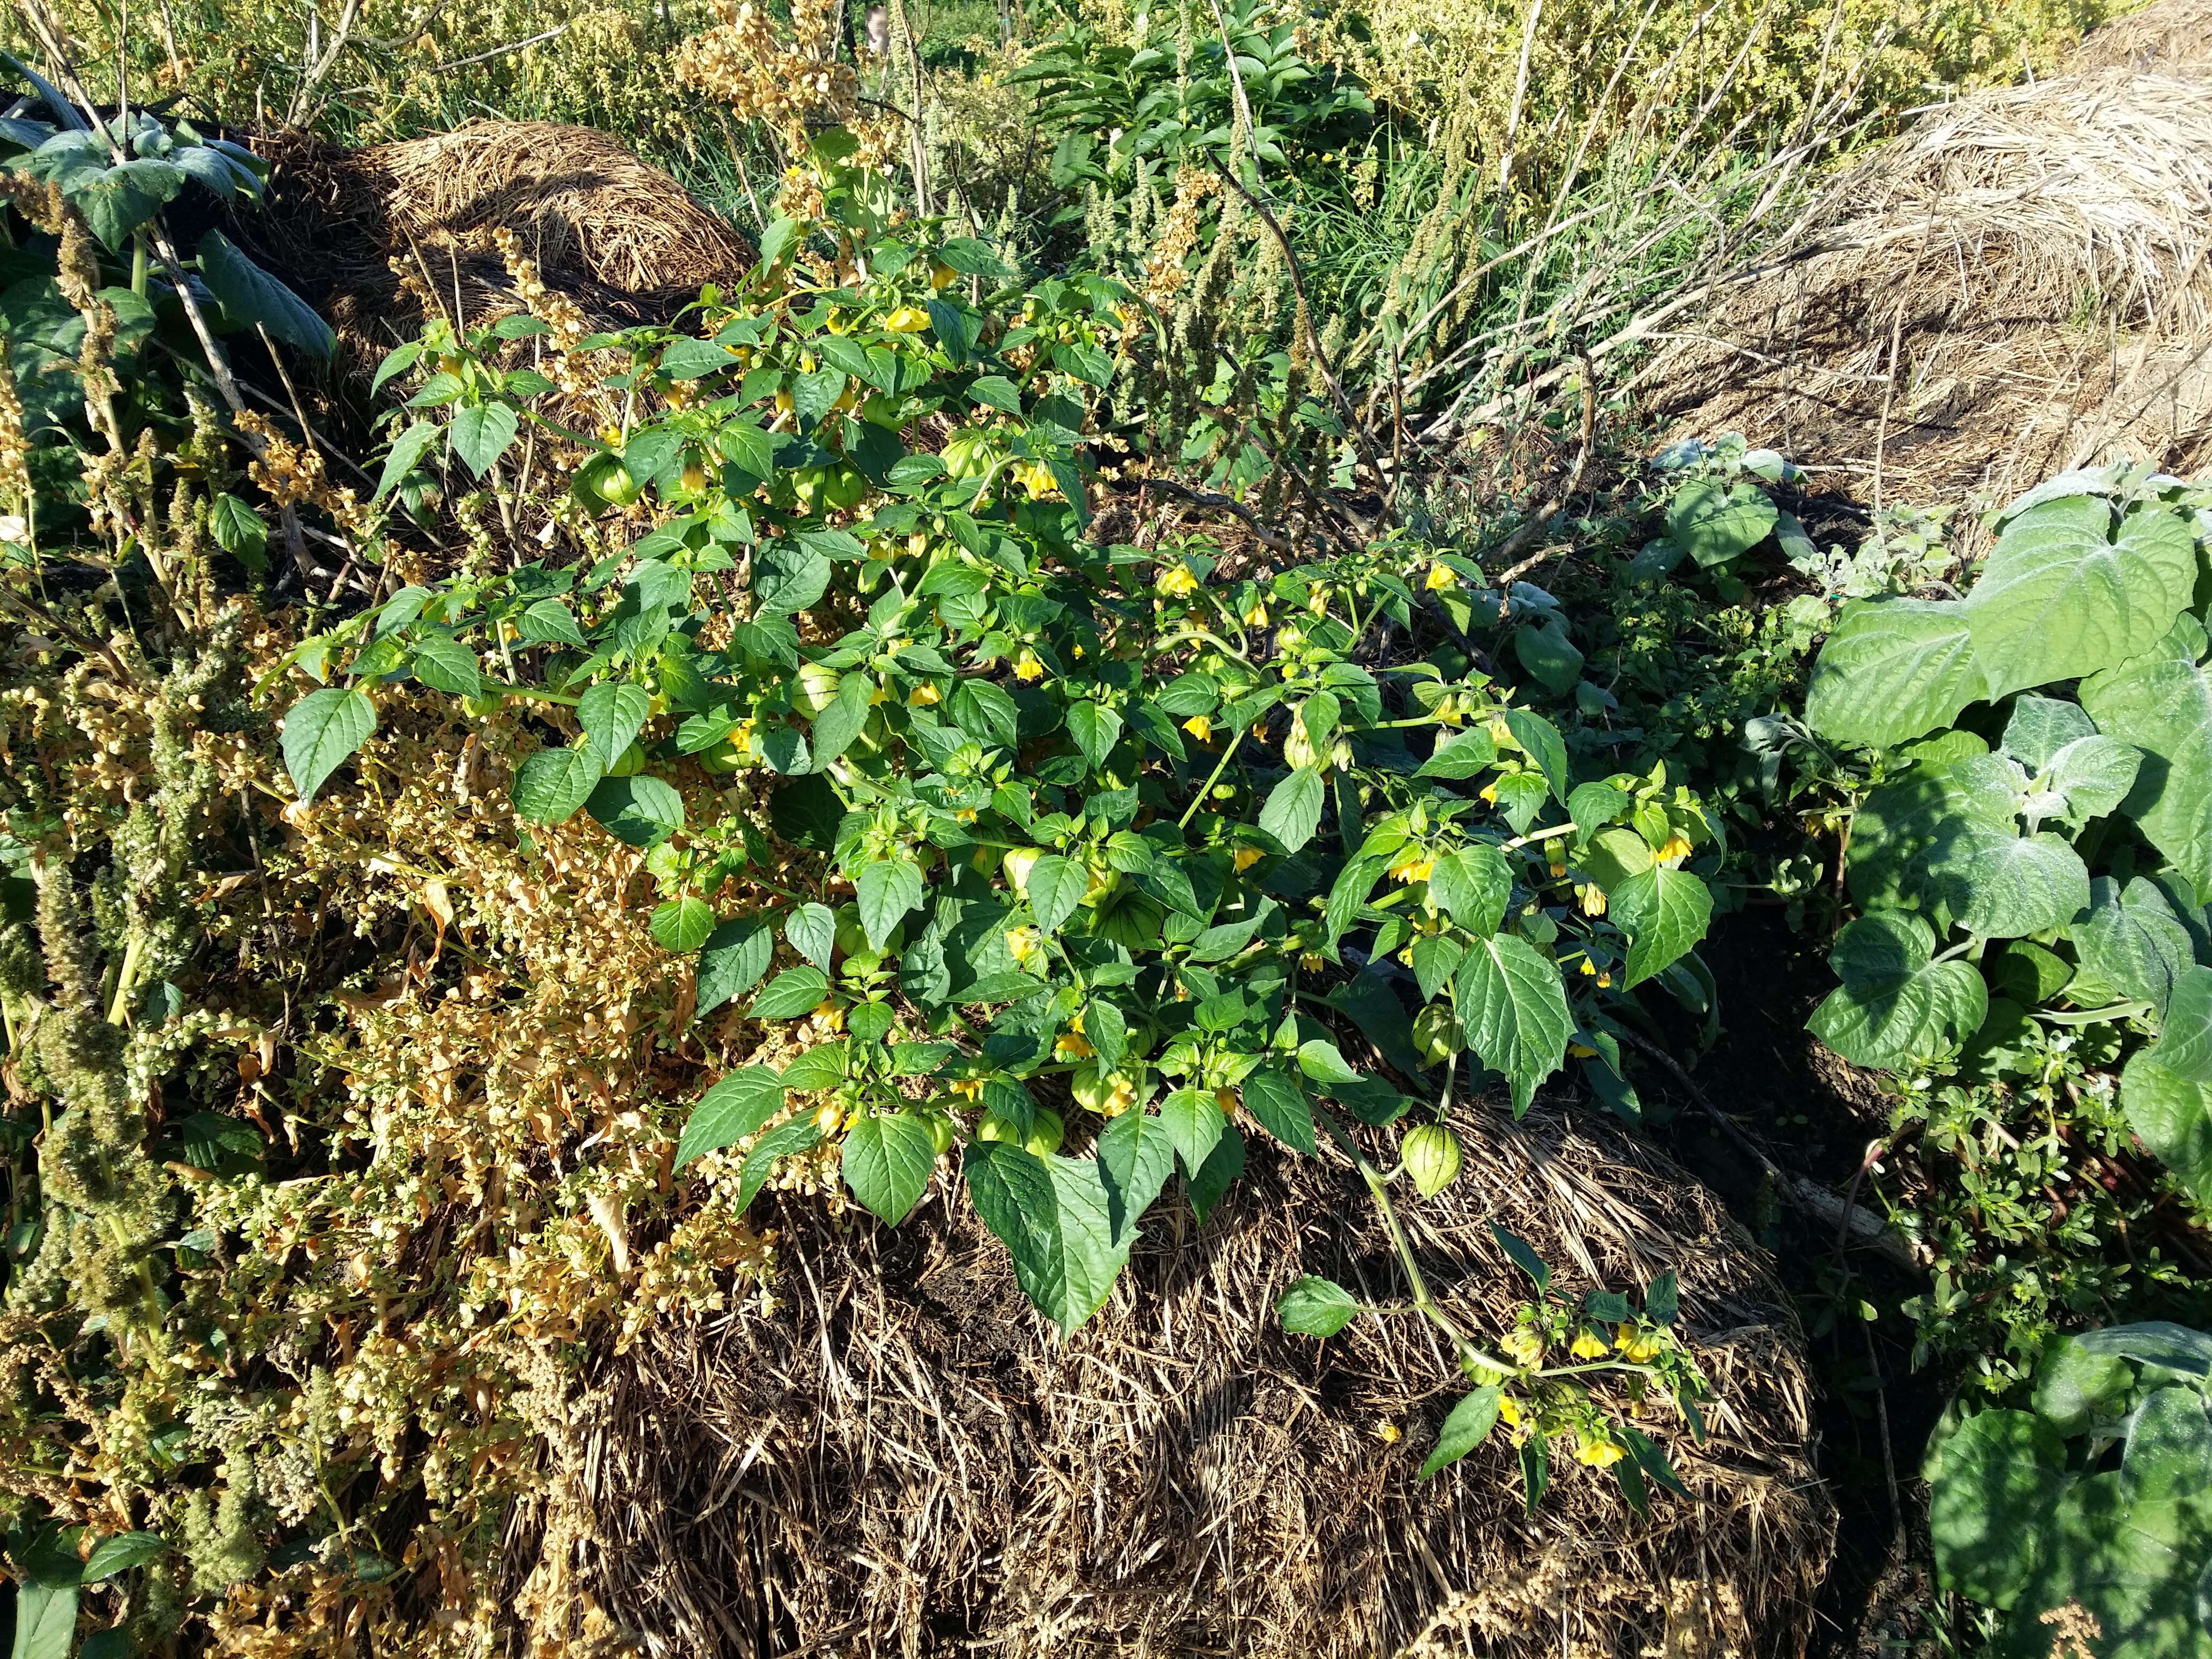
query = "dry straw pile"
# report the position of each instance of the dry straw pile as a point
(368, 231)
(2019, 284)
(902, 1459)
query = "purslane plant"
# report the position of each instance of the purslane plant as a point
(1001, 811)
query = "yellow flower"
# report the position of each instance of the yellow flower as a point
(1179, 583)
(1490, 793)
(1026, 944)
(1029, 666)
(1597, 1453)
(1588, 1345)
(1075, 1021)
(1200, 727)
(1509, 1409)
(1312, 962)
(1581, 1052)
(968, 1088)
(1592, 898)
(1257, 615)
(1524, 1346)
(1072, 1045)
(1388, 1433)
(1441, 576)
(830, 1017)
(922, 696)
(1590, 968)
(1246, 857)
(1677, 846)
(1605, 981)
(1558, 867)
(1634, 1345)
(907, 319)
(1411, 866)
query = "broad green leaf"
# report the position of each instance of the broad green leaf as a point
(1540, 741)
(1715, 523)
(1894, 669)
(823, 1066)
(2076, 1387)
(2001, 885)
(1902, 827)
(480, 434)
(1990, 1491)
(2166, 1090)
(1092, 1248)
(813, 930)
(1210, 1183)
(1055, 886)
(1592, 805)
(1613, 857)
(2154, 1342)
(444, 664)
(1467, 1427)
(771, 1149)
(1664, 913)
(731, 962)
(887, 889)
(1473, 886)
(1135, 1159)
(2095, 774)
(1108, 1032)
(1292, 811)
(2067, 591)
(1548, 653)
(1522, 1254)
(1192, 1118)
(2161, 702)
(1320, 1061)
(1012, 1191)
(886, 1160)
(793, 992)
(612, 714)
(2132, 943)
(549, 622)
(554, 783)
(407, 449)
(122, 1552)
(2169, 1445)
(638, 812)
(2135, 1565)
(836, 725)
(321, 734)
(735, 1107)
(682, 925)
(1281, 1107)
(1514, 1012)
(1896, 1006)
(1096, 729)
(1461, 756)
(1313, 1306)
(249, 294)
(2039, 728)
(45, 1620)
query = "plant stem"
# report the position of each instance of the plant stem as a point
(1189, 812)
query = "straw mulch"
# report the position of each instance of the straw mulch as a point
(620, 238)
(2164, 38)
(2018, 285)
(900, 1459)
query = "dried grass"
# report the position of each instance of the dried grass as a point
(902, 1459)
(620, 238)
(2018, 285)
(2166, 37)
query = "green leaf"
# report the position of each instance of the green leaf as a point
(836, 725)
(813, 930)
(1108, 1032)
(1714, 523)
(321, 734)
(732, 962)
(1096, 729)
(1541, 740)
(549, 622)
(771, 1149)
(1473, 886)
(887, 889)
(1192, 1118)
(1320, 1061)
(1292, 811)
(1522, 1254)
(2161, 702)
(2038, 727)
(1013, 1190)
(2095, 774)
(2137, 1566)
(407, 449)
(2169, 1445)
(122, 1552)
(481, 434)
(2001, 885)
(2166, 1090)
(1514, 1012)
(45, 1620)
(1467, 1427)
(886, 1160)
(2067, 592)
(1312, 1306)
(2076, 1388)
(1664, 913)
(612, 714)
(1894, 669)
(682, 925)
(554, 783)
(1135, 1159)
(1548, 653)
(2132, 942)
(1054, 888)
(1462, 755)
(1992, 1486)
(444, 664)
(237, 528)
(249, 294)
(793, 992)
(1897, 1006)
(1281, 1107)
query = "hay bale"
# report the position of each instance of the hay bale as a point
(2172, 37)
(2017, 285)
(902, 1459)
(622, 239)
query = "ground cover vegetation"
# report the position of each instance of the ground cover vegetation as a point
(1141, 634)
